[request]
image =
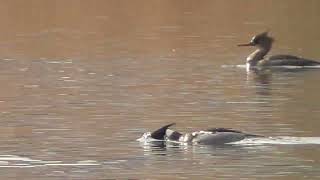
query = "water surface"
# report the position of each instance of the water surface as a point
(81, 81)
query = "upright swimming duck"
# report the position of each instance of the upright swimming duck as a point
(263, 42)
(213, 136)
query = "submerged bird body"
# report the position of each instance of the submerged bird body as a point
(263, 42)
(213, 136)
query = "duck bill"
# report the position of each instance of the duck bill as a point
(247, 44)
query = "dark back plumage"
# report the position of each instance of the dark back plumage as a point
(214, 130)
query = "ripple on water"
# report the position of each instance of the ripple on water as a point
(25, 162)
(285, 140)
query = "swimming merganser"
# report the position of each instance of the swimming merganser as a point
(212, 136)
(264, 43)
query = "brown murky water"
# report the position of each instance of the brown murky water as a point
(82, 80)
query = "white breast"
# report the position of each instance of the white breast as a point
(248, 66)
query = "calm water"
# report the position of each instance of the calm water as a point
(81, 81)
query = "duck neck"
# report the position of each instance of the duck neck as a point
(257, 55)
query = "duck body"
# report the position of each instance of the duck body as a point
(257, 59)
(287, 60)
(213, 136)
(210, 138)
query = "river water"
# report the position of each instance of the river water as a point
(82, 80)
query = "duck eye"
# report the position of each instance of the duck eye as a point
(255, 40)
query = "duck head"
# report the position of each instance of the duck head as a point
(261, 40)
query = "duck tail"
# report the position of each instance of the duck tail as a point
(161, 132)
